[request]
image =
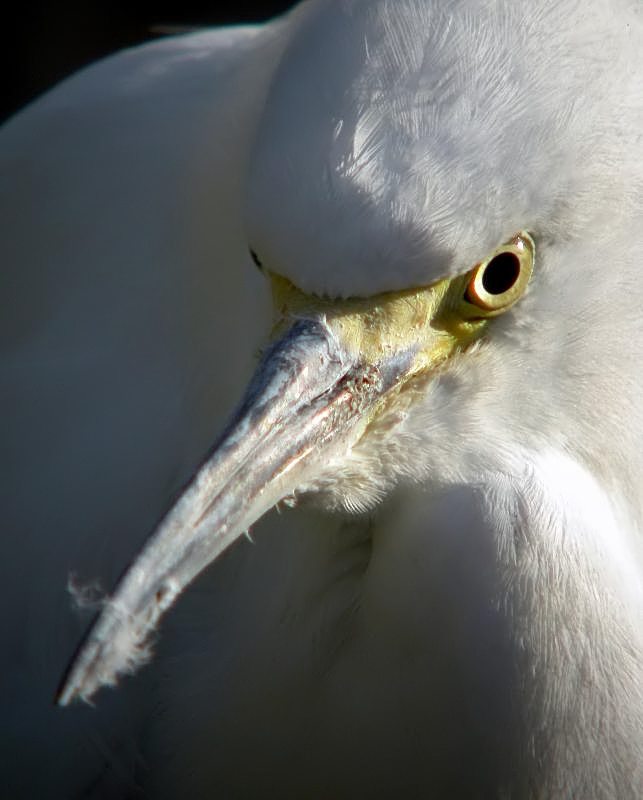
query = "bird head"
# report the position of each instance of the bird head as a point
(399, 190)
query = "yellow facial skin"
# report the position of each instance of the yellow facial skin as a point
(433, 321)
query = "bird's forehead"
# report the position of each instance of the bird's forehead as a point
(403, 140)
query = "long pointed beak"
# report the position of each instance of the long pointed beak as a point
(308, 400)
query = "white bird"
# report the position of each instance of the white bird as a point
(445, 200)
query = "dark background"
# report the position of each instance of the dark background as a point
(43, 42)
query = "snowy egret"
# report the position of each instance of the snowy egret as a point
(444, 200)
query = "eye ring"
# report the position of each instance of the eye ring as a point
(498, 282)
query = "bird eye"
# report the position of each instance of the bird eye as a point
(496, 283)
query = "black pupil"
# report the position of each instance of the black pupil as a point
(501, 273)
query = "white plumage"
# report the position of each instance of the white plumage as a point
(478, 630)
